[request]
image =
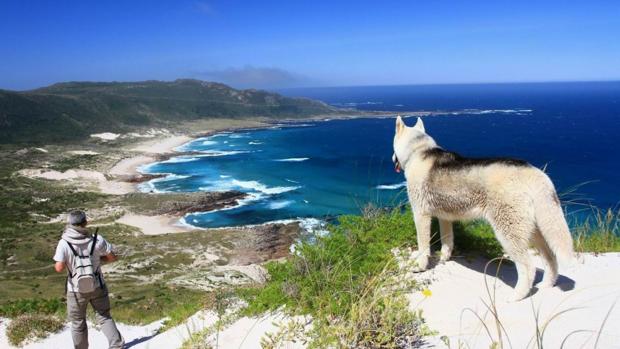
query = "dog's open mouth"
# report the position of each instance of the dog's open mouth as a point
(396, 163)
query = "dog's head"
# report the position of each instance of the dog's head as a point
(406, 140)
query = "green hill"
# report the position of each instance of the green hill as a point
(73, 110)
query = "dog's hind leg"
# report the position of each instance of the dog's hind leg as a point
(423, 232)
(551, 263)
(447, 239)
(514, 235)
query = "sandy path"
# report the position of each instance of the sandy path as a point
(590, 288)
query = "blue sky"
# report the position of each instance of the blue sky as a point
(274, 44)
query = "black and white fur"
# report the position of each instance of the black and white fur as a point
(517, 199)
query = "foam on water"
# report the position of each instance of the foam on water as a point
(212, 153)
(276, 205)
(258, 186)
(391, 186)
(180, 159)
(292, 159)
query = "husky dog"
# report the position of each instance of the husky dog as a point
(517, 199)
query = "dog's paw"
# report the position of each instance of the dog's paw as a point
(421, 264)
(518, 295)
(546, 284)
(446, 253)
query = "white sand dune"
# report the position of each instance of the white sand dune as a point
(137, 337)
(245, 333)
(93, 178)
(586, 292)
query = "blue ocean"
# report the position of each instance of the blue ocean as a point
(317, 170)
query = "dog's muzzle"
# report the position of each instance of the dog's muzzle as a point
(396, 163)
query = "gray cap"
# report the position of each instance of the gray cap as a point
(76, 217)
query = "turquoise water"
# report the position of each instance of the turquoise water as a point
(322, 169)
(289, 172)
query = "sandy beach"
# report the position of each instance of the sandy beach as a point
(154, 225)
(129, 166)
(163, 145)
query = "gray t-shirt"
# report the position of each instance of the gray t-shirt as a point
(65, 255)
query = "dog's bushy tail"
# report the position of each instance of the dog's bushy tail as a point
(552, 223)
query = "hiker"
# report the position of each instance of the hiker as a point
(81, 253)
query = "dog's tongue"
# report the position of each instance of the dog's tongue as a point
(397, 167)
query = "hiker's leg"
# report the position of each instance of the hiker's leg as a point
(76, 312)
(101, 303)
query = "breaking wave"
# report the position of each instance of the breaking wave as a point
(276, 205)
(212, 153)
(180, 159)
(292, 159)
(392, 186)
(488, 111)
(258, 186)
(149, 187)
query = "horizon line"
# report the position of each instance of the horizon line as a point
(327, 86)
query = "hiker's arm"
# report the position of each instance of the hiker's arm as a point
(106, 251)
(59, 267)
(109, 258)
(59, 258)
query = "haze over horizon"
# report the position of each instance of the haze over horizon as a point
(278, 44)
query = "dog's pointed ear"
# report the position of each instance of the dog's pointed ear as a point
(419, 125)
(400, 124)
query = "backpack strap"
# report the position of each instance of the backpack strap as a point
(72, 248)
(92, 248)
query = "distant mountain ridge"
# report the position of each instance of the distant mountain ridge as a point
(72, 110)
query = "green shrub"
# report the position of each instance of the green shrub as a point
(344, 280)
(33, 326)
(33, 306)
(327, 272)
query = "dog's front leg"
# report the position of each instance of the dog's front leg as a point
(423, 231)
(447, 239)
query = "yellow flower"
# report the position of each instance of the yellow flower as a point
(426, 292)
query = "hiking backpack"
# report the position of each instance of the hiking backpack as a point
(84, 275)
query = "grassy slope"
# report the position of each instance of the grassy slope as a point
(71, 111)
